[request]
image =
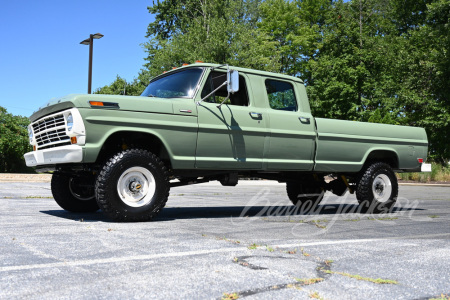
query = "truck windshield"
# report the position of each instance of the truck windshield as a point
(179, 84)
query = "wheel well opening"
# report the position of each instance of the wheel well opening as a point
(385, 156)
(123, 140)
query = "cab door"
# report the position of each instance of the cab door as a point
(230, 136)
(292, 131)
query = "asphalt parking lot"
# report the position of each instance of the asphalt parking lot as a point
(214, 242)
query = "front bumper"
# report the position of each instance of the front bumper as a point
(52, 156)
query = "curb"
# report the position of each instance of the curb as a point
(9, 177)
(425, 184)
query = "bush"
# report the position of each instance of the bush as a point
(13, 143)
(438, 173)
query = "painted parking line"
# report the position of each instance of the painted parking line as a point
(118, 259)
(427, 236)
(200, 252)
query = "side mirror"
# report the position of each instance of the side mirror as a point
(232, 86)
(232, 81)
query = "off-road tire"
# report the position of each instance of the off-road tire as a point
(64, 192)
(111, 176)
(304, 196)
(377, 189)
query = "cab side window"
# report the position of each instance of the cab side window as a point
(215, 79)
(281, 95)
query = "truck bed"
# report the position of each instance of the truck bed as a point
(344, 146)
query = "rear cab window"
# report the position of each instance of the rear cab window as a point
(281, 95)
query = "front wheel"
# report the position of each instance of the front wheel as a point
(377, 189)
(304, 195)
(132, 186)
(74, 193)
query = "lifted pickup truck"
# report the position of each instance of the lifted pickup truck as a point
(207, 122)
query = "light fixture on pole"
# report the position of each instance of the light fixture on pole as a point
(90, 42)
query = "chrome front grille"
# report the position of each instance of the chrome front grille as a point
(50, 132)
(48, 123)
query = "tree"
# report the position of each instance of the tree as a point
(425, 71)
(118, 87)
(351, 76)
(297, 29)
(213, 31)
(121, 87)
(408, 15)
(14, 142)
(377, 117)
(172, 16)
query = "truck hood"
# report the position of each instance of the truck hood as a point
(129, 103)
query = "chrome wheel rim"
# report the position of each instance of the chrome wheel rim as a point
(136, 186)
(382, 188)
(77, 195)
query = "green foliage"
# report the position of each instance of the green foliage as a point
(172, 16)
(376, 117)
(351, 77)
(297, 29)
(214, 31)
(121, 87)
(440, 173)
(407, 14)
(118, 87)
(13, 142)
(428, 98)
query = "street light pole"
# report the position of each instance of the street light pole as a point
(90, 42)
(91, 51)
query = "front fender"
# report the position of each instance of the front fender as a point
(177, 133)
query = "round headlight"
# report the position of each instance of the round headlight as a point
(30, 134)
(69, 122)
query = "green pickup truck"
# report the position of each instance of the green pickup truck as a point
(206, 122)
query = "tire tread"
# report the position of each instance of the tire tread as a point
(62, 195)
(109, 169)
(364, 186)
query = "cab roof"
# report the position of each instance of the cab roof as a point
(243, 70)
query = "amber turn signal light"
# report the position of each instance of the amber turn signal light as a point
(100, 104)
(73, 140)
(96, 103)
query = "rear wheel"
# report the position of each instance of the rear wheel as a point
(132, 186)
(377, 189)
(74, 193)
(304, 196)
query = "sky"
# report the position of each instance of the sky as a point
(40, 53)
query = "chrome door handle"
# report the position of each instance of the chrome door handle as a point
(256, 115)
(304, 119)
